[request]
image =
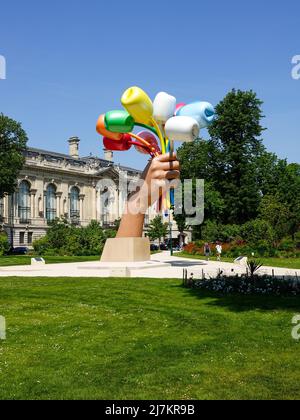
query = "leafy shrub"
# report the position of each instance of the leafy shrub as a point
(229, 233)
(4, 244)
(257, 230)
(253, 267)
(66, 240)
(297, 240)
(41, 245)
(212, 232)
(287, 244)
(193, 249)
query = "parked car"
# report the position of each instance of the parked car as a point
(19, 250)
(154, 248)
(163, 247)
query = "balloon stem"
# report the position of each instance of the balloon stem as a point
(135, 143)
(140, 140)
(147, 127)
(162, 141)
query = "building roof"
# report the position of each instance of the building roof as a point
(83, 160)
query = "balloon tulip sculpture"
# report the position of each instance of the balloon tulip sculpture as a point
(163, 119)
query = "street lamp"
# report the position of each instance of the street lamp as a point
(170, 233)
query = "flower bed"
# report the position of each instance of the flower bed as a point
(257, 285)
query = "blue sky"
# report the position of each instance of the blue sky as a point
(69, 61)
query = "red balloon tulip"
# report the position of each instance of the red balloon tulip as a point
(151, 139)
(118, 145)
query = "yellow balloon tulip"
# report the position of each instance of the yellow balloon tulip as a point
(138, 104)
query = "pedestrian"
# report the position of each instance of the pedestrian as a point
(219, 250)
(207, 251)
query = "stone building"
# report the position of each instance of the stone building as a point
(53, 185)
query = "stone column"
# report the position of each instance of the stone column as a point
(118, 203)
(45, 204)
(97, 204)
(94, 203)
(33, 204)
(37, 206)
(81, 198)
(16, 203)
(58, 209)
(5, 206)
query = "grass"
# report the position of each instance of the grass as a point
(11, 260)
(290, 263)
(143, 339)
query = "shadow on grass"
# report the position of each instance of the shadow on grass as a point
(241, 303)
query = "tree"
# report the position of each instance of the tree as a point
(13, 140)
(241, 176)
(257, 230)
(277, 214)
(236, 133)
(157, 229)
(4, 244)
(288, 192)
(201, 160)
(180, 220)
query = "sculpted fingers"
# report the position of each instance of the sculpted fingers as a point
(172, 175)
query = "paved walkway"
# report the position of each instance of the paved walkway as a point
(161, 266)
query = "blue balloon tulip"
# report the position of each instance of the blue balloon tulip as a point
(203, 112)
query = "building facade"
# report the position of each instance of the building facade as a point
(53, 185)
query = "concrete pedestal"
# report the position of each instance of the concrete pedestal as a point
(121, 250)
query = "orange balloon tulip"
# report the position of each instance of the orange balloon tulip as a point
(101, 129)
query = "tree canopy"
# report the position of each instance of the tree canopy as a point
(243, 181)
(13, 140)
(157, 229)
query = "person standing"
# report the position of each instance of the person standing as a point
(207, 251)
(219, 250)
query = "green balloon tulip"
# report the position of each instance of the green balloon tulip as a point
(119, 122)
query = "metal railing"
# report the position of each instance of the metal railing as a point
(24, 215)
(75, 217)
(50, 215)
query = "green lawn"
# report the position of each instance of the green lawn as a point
(268, 262)
(143, 339)
(11, 260)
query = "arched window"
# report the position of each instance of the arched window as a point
(74, 205)
(51, 203)
(24, 202)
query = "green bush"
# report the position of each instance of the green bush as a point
(4, 244)
(287, 244)
(297, 239)
(229, 233)
(257, 230)
(41, 245)
(212, 232)
(67, 240)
